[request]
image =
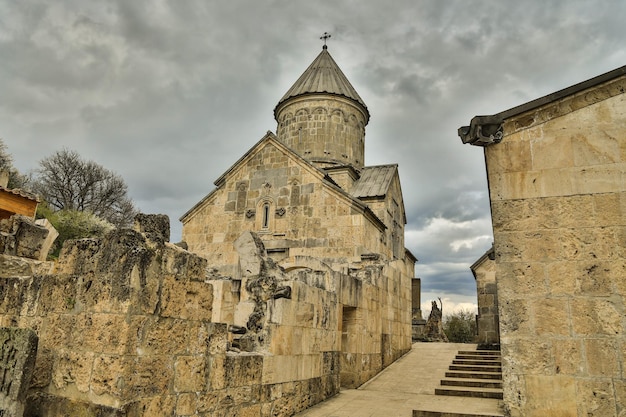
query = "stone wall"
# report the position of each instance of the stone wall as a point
(558, 194)
(131, 325)
(487, 320)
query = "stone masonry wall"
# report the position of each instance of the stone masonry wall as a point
(325, 132)
(128, 326)
(304, 218)
(558, 194)
(487, 320)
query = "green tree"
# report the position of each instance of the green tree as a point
(69, 183)
(73, 224)
(460, 327)
(16, 180)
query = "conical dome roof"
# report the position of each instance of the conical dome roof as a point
(323, 76)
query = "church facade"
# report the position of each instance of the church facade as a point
(305, 194)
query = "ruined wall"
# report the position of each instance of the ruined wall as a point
(558, 194)
(130, 325)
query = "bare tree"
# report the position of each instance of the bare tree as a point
(67, 182)
(16, 180)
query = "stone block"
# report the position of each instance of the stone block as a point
(551, 316)
(108, 376)
(29, 238)
(511, 156)
(148, 376)
(600, 179)
(190, 374)
(155, 227)
(609, 209)
(105, 333)
(550, 396)
(521, 279)
(527, 356)
(602, 358)
(550, 152)
(73, 367)
(186, 404)
(14, 266)
(568, 357)
(18, 348)
(154, 336)
(595, 317)
(186, 300)
(243, 369)
(596, 398)
(594, 278)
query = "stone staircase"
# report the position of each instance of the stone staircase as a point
(475, 374)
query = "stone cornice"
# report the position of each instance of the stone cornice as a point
(488, 130)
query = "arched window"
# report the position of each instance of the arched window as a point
(266, 215)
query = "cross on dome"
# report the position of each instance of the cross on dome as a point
(325, 37)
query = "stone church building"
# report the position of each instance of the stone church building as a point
(306, 191)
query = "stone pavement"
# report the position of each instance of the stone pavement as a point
(407, 384)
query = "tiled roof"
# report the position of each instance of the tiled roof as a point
(323, 76)
(374, 181)
(21, 193)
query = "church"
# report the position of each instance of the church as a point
(305, 191)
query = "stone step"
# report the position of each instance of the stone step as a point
(480, 352)
(479, 368)
(470, 382)
(480, 357)
(474, 375)
(420, 413)
(470, 392)
(493, 362)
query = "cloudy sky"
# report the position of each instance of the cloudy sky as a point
(169, 94)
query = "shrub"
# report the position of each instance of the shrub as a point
(460, 327)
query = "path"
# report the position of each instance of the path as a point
(407, 384)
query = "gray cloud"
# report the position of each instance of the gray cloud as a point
(170, 94)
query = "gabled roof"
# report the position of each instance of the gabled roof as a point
(323, 76)
(490, 254)
(324, 178)
(374, 181)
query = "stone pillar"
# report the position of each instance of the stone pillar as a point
(18, 349)
(416, 292)
(417, 321)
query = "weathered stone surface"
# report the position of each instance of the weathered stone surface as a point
(20, 236)
(155, 227)
(558, 201)
(18, 349)
(15, 266)
(434, 326)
